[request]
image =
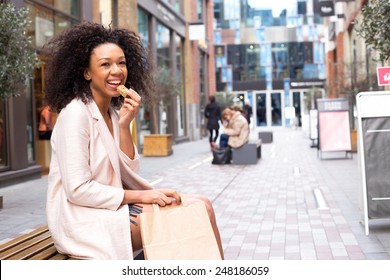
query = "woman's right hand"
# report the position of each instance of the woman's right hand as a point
(162, 197)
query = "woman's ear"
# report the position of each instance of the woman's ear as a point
(87, 76)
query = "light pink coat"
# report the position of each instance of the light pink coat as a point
(88, 174)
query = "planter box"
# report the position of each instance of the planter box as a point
(157, 145)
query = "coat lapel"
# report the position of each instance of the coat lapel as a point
(107, 139)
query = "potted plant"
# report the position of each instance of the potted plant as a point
(17, 54)
(166, 87)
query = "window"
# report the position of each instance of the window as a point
(180, 78)
(143, 27)
(163, 44)
(199, 9)
(46, 23)
(71, 7)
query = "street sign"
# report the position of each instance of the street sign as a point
(333, 125)
(383, 76)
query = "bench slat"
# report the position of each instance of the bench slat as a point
(46, 254)
(26, 245)
(23, 238)
(59, 257)
(32, 250)
(35, 245)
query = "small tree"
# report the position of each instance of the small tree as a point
(310, 99)
(166, 88)
(374, 27)
(224, 99)
(17, 55)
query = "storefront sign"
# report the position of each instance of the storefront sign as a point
(197, 32)
(326, 8)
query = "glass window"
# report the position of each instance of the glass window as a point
(42, 26)
(163, 44)
(180, 78)
(143, 27)
(177, 5)
(29, 128)
(245, 61)
(46, 24)
(199, 9)
(164, 60)
(280, 58)
(71, 7)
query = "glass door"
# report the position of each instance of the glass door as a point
(297, 103)
(276, 108)
(261, 109)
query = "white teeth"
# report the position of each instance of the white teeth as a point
(114, 83)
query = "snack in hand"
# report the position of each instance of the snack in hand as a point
(122, 90)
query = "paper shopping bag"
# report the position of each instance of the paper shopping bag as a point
(183, 232)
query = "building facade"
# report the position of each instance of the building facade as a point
(351, 65)
(164, 28)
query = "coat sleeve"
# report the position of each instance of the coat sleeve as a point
(71, 147)
(129, 172)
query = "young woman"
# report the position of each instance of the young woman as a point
(93, 181)
(236, 127)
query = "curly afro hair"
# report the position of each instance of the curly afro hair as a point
(69, 55)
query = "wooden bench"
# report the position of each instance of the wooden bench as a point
(36, 245)
(248, 153)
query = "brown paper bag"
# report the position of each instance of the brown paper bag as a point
(178, 233)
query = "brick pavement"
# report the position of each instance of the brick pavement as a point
(266, 211)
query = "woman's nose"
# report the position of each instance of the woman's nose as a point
(116, 69)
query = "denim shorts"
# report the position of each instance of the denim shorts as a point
(134, 210)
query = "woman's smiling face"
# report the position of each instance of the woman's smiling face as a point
(107, 70)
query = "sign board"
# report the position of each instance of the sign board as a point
(333, 125)
(326, 8)
(219, 50)
(374, 150)
(313, 124)
(289, 113)
(383, 76)
(197, 32)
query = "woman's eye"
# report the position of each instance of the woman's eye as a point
(122, 62)
(106, 64)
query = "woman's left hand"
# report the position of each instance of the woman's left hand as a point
(129, 108)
